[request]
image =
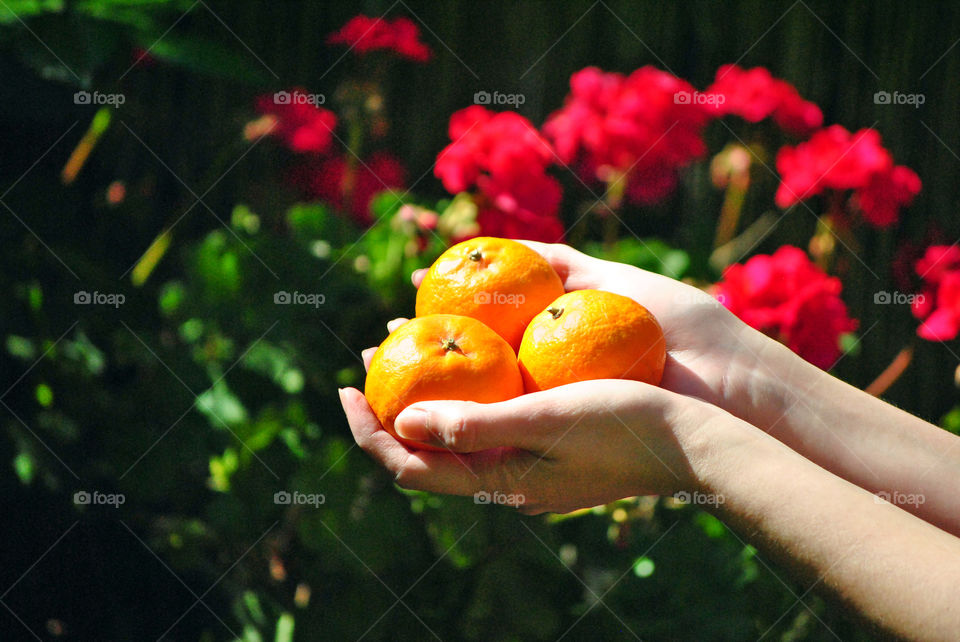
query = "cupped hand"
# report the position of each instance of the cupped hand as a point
(590, 442)
(571, 447)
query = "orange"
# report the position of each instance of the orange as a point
(498, 281)
(440, 356)
(591, 334)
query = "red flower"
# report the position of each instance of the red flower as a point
(298, 121)
(328, 180)
(400, 35)
(835, 159)
(786, 296)
(939, 303)
(754, 94)
(644, 124)
(504, 156)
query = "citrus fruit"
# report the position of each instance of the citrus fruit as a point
(498, 281)
(591, 334)
(440, 356)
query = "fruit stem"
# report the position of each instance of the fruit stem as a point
(475, 255)
(555, 312)
(450, 345)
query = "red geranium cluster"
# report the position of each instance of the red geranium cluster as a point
(298, 121)
(506, 158)
(327, 179)
(786, 296)
(612, 123)
(754, 94)
(400, 35)
(835, 159)
(938, 306)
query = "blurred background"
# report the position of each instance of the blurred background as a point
(148, 364)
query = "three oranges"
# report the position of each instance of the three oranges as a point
(493, 322)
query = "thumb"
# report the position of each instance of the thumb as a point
(467, 426)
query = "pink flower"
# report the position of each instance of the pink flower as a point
(754, 94)
(300, 124)
(835, 159)
(786, 296)
(328, 180)
(643, 124)
(506, 159)
(938, 305)
(400, 35)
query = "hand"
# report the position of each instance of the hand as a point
(571, 447)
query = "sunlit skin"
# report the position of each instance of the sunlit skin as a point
(796, 454)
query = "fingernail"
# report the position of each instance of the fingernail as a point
(413, 423)
(340, 392)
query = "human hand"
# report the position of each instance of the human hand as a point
(711, 354)
(570, 447)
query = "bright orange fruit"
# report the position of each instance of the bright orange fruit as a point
(591, 334)
(440, 356)
(498, 281)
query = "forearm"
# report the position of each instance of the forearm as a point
(855, 436)
(898, 571)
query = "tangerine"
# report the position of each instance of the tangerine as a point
(498, 281)
(591, 334)
(439, 356)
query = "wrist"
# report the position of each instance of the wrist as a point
(769, 384)
(708, 438)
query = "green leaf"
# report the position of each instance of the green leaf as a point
(651, 254)
(285, 628)
(206, 57)
(13, 11)
(219, 404)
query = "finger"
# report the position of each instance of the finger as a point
(417, 276)
(526, 422)
(396, 323)
(368, 432)
(367, 356)
(420, 470)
